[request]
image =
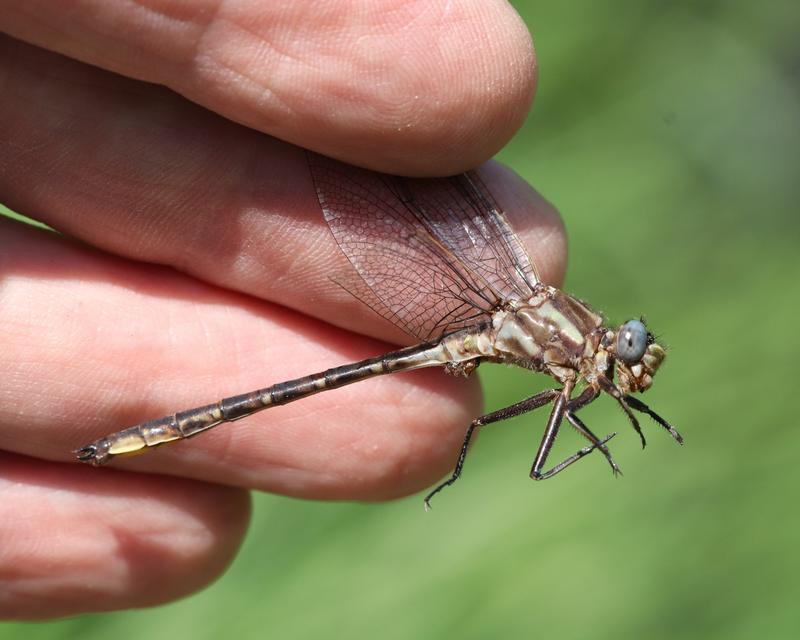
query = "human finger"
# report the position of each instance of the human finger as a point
(74, 541)
(418, 88)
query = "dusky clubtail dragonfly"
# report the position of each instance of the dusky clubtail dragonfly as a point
(438, 258)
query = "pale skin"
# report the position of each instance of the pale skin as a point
(194, 263)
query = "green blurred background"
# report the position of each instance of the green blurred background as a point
(668, 134)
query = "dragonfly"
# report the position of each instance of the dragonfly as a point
(438, 258)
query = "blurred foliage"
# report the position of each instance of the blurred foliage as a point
(668, 135)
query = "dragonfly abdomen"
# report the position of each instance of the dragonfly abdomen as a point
(185, 424)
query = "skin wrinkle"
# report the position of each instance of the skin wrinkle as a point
(231, 74)
(182, 58)
(176, 12)
(188, 61)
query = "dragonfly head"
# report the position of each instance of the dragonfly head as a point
(638, 356)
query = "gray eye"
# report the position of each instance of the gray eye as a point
(631, 341)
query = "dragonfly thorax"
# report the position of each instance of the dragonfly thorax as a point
(551, 332)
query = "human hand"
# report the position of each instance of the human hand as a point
(194, 263)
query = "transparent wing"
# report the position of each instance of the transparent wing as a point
(433, 255)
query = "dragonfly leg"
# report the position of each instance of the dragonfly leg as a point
(637, 404)
(581, 427)
(589, 394)
(529, 404)
(560, 409)
(611, 389)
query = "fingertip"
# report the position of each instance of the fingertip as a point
(461, 84)
(78, 540)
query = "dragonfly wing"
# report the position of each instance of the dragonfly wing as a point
(433, 255)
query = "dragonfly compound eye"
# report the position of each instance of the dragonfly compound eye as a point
(631, 341)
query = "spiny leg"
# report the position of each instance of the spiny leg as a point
(581, 427)
(637, 404)
(550, 434)
(611, 389)
(529, 404)
(544, 475)
(588, 395)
